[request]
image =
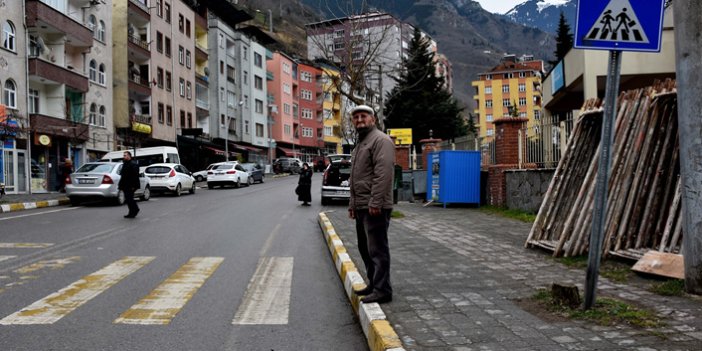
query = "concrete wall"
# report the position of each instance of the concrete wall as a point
(526, 188)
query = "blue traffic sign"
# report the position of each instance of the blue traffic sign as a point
(626, 25)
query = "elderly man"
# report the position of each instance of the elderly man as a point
(371, 202)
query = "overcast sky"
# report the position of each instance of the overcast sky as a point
(499, 6)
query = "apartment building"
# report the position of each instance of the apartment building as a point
(282, 71)
(332, 132)
(69, 86)
(514, 83)
(310, 129)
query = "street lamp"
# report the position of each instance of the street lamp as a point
(271, 110)
(226, 134)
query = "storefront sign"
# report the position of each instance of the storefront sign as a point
(42, 139)
(141, 128)
(403, 136)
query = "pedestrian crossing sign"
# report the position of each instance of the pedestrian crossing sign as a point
(625, 25)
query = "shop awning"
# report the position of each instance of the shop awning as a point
(246, 148)
(220, 152)
(289, 152)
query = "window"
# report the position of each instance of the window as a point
(522, 87)
(160, 113)
(246, 78)
(246, 101)
(92, 70)
(101, 74)
(246, 127)
(187, 58)
(505, 88)
(286, 89)
(505, 102)
(522, 74)
(306, 113)
(259, 106)
(92, 117)
(159, 8)
(182, 118)
(167, 46)
(101, 116)
(286, 68)
(169, 115)
(287, 129)
(488, 90)
(159, 42)
(189, 91)
(338, 33)
(187, 28)
(522, 101)
(181, 85)
(181, 54)
(522, 115)
(537, 114)
(245, 53)
(181, 24)
(221, 94)
(328, 131)
(33, 101)
(10, 96)
(167, 8)
(306, 94)
(509, 75)
(259, 130)
(490, 132)
(306, 76)
(33, 46)
(92, 24)
(488, 118)
(168, 81)
(258, 60)
(488, 103)
(231, 98)
(488, 77)
(307, 132)
(159, 77)
(230, 74)
(101, 31)
(258, 82)
(286, 109)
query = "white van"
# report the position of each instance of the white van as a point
(146, 156)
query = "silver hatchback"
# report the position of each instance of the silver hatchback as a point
(98, 180)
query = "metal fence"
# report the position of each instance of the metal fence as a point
(542, 144)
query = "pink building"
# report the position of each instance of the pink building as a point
(280, 89)
(311, 129)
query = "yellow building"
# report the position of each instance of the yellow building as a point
(330, 110)
(515, 82)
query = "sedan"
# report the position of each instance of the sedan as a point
(227, 173)
(170, 177)
(255, 172)
(98, 180)
(202, 175)
(335, 182)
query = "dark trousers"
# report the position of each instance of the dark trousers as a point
(372, 236)
(131, 203)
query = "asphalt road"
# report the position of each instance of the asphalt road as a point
(223, 269)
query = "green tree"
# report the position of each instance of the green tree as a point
(564, 40)
(419, 100)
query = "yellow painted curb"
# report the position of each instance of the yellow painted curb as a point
(381, 336)
(41, 204)
(16, 207)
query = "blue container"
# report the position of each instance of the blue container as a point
(454, 177)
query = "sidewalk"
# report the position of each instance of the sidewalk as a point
(12, 202)
(457, 274)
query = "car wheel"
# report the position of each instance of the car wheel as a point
(146, 195)
(249, 181)
(238, 183)
(199, 178)
(324, 201)
(177, 190)
(262, 178)
(192, 189)
(120, 198)
(74, 201)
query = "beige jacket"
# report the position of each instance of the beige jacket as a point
(372, 171)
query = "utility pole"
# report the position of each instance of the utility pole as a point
(688, 52)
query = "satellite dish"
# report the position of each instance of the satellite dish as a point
(207, 71)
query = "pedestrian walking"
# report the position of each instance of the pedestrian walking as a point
(371, 201)
(65, 172)
(304, 185)
(128, 183)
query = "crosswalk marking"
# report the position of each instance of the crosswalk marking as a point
(267, 298)
(59, 304)
(163, 303)
(4, 258)
(25, 245)
(57, 263)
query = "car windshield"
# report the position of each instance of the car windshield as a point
(96, 167)
(157, 169)
(248, 167)
(224, 166)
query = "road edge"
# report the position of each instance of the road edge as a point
(379, 332)
(14, 207)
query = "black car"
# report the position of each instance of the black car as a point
(286, 165)
(255, 172)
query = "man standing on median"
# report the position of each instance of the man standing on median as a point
(371, 201)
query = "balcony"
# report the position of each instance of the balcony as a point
(143, 119)
(269, 75)
(139, 7)
(57, 74)
(52, 21)
(137, 86)
(204, 80)
(138, 46)
(200, 53)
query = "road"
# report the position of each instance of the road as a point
(223, 269)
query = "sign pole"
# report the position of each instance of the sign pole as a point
(602, 185)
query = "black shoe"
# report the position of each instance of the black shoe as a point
(365, 291)
(130, 216)
(305, 204)
(377, 297)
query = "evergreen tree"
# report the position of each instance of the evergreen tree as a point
(564, 40)
(419, 100)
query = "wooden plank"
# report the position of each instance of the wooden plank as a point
(661, 263)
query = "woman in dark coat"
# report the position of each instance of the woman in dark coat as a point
(304, 185)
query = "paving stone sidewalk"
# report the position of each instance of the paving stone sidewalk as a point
(457, 272)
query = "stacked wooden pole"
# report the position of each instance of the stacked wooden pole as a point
(644, 195)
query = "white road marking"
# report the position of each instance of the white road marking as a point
(269, 241)
(4, 258)
(267, 298)
(162, 304)
(59, 304)
(25, 245)
(39, 213)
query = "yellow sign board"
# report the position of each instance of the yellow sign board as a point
(141, 128)
(403, 136)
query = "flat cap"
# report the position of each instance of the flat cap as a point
(363, 108)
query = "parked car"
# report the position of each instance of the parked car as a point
(255, 172)
(287, 165)
(335, 182)
(201, 176)
(227, 173)
(170, 177)
(98, 180)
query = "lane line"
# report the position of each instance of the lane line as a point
(25, 245)
(267, 298)
(39, 213)
(269, 241)
(4, 258)
(59, 304)
(162, 304)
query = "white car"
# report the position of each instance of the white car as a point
(228, 173)
(202, 175)
(170, 177)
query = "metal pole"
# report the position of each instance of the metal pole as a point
(601, 187)
(226, 138)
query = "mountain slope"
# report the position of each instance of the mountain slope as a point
(543, 14)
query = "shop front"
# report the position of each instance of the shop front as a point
(13, 154)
